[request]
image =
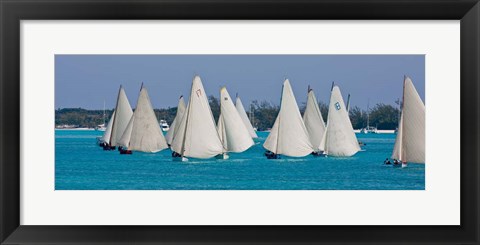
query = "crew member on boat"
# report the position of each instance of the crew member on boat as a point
(124, 150)
(271, 155)
(176, 154)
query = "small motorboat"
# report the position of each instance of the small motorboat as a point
(164, 126)
(369, 130)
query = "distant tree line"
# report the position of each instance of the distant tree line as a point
(92, 118)
(381, 115)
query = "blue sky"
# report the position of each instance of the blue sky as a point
(87, 81)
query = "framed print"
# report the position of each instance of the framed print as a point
(239, 122)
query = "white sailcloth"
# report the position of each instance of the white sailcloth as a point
(197, 134)
(288, 135)
(123, 113)
(176, 121)
(143, 132)
(108, 130)
(221, 132)
(314, 121)
(243, 115)
(231, 129)
(127, 134)
(410, 141)
(397, 148)
(340, 140)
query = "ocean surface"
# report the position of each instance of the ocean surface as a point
(80, 164)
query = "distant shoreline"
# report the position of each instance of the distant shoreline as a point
(93, 129)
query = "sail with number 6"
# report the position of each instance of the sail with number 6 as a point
(197, 134)
(288, 135)
(231, 129)
(143, 132)
(339, 138)
(410, 140)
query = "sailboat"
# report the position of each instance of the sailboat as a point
(143, 133)
(105, 139)
(339, 139)
(410, 140)
(176, 121)
(314, 122)
(243, 115)
(102, 127)
(197, 134)
(231, 128)
(123, 114)
(288, 136)
(369, 129)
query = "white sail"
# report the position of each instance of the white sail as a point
(314, 121)
(123, 113)
(197, 134)
(323, 142)
(243, 115)
(176, 121)
(143, 132)
(397, 148)
(340, 139)
(231, 129)
(221, 132)
(127, 134)
(108, 130)
(288, 135)
(410, 141)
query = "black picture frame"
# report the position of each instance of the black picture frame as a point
(13, 11)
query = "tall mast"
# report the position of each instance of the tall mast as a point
(186, 122)
(401, 125)
(279, 118)
(114, 120)
(220, 117)
(368, 114)
(348, 103)
(104, 113)
(252, 111)
(399, 109)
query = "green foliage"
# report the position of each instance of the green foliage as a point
(323, 109)
(81, 117)
(381, 116)
(92, 118)
(358, 117)
(166, 114)
(265, 114)
(384, 116)
(214, 106)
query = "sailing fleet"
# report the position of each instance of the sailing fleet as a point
(195, 134)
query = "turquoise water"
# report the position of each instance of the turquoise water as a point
(82, 165)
